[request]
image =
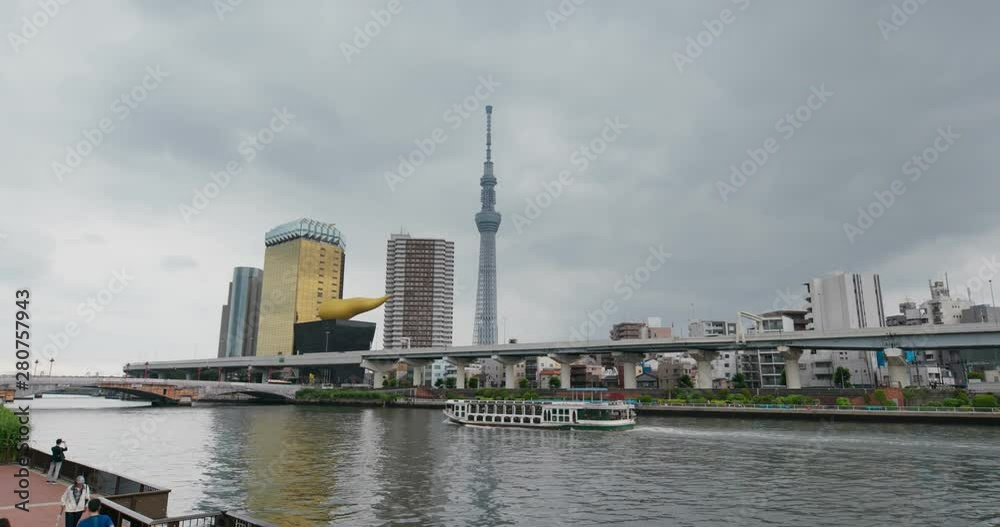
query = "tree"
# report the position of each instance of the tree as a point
(685, 381)
(439, 383)
(390, 382)
(554, 383)
(842, 377)
(739, 381)
(523, 383)
(450, 382)
(472, 382)
(977, 375)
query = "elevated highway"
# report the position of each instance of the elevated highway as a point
(892, 340)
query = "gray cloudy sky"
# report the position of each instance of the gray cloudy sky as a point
(689, 112)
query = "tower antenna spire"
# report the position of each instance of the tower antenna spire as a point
(489, 133)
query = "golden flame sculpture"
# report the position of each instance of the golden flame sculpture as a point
(345, 308)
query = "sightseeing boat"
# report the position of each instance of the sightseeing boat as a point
(578, 415)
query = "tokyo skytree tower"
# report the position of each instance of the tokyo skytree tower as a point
(488, 222)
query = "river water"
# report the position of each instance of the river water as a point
(305, 466)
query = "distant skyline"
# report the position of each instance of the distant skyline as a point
(153, 144)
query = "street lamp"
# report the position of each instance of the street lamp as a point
(993, 299)
(52, 360)
(36, 368)
(145, 373)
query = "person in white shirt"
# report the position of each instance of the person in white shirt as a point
(74, 501)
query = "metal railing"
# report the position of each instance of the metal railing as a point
(119, 514)
(139, 503)
(139, 496)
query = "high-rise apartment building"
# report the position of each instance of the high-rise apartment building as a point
(420, 276)
(303, 266)
(240, 314)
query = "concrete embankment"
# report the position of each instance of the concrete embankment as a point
(818, 414)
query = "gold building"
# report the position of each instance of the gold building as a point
(303, 266)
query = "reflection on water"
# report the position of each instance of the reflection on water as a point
(304, 466)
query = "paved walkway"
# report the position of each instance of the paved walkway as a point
(43, 501)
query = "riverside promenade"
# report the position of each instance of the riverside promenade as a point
(43, 505)
(126, 500)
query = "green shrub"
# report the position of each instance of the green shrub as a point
(984, 400)
(316, 394)
(843, 401)
(736, 398)
(794, 399)
(676, 401)
(9, 429)
(722, 394)
(951, 402)
(762, 399)
(646, 399)
(718, 402)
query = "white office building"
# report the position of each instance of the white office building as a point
(842, 301)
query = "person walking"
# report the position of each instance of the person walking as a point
(58, 455)
(94, 518)
(74, 501)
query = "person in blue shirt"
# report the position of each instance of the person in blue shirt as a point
(93, 517)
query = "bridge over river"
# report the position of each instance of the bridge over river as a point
(162, 391)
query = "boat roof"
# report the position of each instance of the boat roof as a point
(554, 402)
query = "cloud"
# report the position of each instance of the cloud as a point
(178, 263)
(654, 185)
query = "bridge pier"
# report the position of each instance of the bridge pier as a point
(509, 372)
(378, 367)
(565, 369)
(460, 364)
(791, 356)
(703, 358)
(417, 365)
(629, 361)
(896, 363)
